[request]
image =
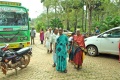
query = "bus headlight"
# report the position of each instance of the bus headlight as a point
(25, 38)
(21, 38)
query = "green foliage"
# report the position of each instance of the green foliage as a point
(71, 14)
(42, 1)
(109, 22)
(77, 4)
(38, 27)
(56, 23)
(72, 29)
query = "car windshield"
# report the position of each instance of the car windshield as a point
(112, 34)
(10, 16)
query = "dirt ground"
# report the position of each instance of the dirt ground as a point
(103, 67)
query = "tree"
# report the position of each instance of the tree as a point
(66, 5)
(56, 23)
(72, 14)
(47, 4)
(90, 6)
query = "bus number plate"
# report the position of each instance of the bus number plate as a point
(7, 29)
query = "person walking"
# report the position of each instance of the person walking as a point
(32, 34)
(54, 37)
(71, 48)
(79, 46)
(61, 52)
(41, 36)
(45, 37)
(48, 35)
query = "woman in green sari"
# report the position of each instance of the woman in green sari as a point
(61, 51)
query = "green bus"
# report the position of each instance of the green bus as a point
(14, 25)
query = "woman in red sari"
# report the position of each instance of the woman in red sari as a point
(79, 46)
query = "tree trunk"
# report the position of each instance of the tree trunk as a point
(83, 20)
(68, 24)
(55, 16)
(47, 17)
(67, 21)
(98, 16)
(89, 21)
(67, 12)
(86, 19)
(75, 21)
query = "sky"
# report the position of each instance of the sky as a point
(35, 6)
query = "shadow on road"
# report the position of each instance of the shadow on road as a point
(110, 56)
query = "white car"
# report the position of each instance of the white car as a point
(66, 32)
(106, 42)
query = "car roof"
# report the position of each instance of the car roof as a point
(115, 28)
(110, 30)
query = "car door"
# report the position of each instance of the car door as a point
(109, 43)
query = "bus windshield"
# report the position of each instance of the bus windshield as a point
(13, 16)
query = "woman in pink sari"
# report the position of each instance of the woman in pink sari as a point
(42, 36)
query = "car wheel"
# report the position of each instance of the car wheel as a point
(92, 50)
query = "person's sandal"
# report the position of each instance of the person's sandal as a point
(119, 61)
(54, 65)
(80, 67)
(65, 71)
(47, 51)
(50, 51)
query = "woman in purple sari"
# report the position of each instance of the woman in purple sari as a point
(42, 36)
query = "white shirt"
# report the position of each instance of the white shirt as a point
(53, 39)
(70, 38)
(45, 35)
(32, 33)
(35, 30)
(48, 35)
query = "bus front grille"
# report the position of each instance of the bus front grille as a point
(8, 40)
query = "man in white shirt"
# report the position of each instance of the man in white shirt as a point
(53, 39)
(45, 37)
(48, 35)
